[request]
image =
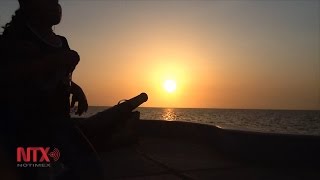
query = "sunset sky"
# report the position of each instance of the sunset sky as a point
(221, 54)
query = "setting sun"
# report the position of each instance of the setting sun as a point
(170, 86)
(190, 56)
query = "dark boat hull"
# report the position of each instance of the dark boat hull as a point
(181, 150)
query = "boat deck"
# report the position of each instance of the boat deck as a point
(178, 150)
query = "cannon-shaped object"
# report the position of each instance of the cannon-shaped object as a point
(100, 126)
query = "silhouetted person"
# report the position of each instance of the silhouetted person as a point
(36, 71)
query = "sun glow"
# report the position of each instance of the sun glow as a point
(170, 86)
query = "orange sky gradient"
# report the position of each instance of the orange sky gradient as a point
(222, 54)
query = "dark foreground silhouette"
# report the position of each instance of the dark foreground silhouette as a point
(36, 76)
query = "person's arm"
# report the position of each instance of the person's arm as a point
(78, 96)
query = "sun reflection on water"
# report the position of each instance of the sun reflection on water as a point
(169, 115)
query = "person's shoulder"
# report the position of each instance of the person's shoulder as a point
(5, 42)
(14, 47)
(2, 39)
(1, 42)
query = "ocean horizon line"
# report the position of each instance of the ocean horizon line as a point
(217, 108)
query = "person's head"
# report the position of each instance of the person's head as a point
(41, 12)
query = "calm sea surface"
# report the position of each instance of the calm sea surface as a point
(279, 121)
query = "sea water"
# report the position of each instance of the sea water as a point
(275, 121)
